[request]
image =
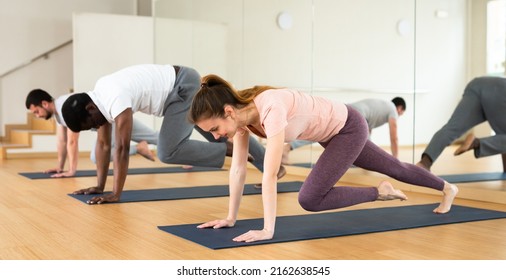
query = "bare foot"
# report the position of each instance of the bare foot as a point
(281, 172)
(286, 153)
(143, 150)
(187, 166)
(387, 192)
(230, 149)
(466, 146)
(449, 193)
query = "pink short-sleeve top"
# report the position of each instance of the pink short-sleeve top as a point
(301, 115)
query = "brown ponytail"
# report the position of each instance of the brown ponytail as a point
(215, 93)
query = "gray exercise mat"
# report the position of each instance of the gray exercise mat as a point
(333, 224)
(189, 192)
(474, 177)
(131, 171)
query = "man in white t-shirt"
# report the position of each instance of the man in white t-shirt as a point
(43, 105)
(160, 90)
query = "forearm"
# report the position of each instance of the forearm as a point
(273, 154)
(62, 156)
(73, 154)
(61, 147)
(269, 199)
(237, 175)
(103, 155)
(121, 161)
(394, 142)
(237, 178)
(394, 146)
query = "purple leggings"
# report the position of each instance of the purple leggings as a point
(351, 146)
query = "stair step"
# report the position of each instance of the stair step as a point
(34, 131)
(42, 124)
(13, 145)
(19, 136)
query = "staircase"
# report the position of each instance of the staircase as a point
(19, 136)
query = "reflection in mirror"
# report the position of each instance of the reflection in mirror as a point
(365, 50)
(453, 41)
(241, 41)
(343, 50)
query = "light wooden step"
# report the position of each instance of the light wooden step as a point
(41, 124)
(6, 146)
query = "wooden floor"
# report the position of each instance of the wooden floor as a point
(38, 220)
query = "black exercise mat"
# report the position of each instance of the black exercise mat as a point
(189, 192)
(131, 171)
(474, 177)
(303, 164)
(333, 224)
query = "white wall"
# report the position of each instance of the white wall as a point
(105, 43)
(441, 63)
(29, 28)
(348, 50)
(128, 40)
(350, 45)
(200, 45)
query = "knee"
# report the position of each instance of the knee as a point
(167, 157)
(307, 202)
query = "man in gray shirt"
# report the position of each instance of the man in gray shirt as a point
(377, 112)
(484, 99)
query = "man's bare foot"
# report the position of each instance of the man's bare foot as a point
(281, 174)
(466, 146)
(286, 153)
(387, 192)
(449, 193)
(143, 150)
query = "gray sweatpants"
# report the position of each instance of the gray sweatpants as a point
(174, 143)
(484, 99)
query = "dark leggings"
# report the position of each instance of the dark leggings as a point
(351, 146)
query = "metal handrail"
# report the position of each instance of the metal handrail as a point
(44, 55)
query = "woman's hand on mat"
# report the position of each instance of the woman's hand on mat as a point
(103, 199)
(217, 224)
(255, 235)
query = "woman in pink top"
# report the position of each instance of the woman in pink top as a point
(283, 115)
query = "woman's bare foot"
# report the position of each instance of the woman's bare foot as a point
(387, 192)
(449, 193)
(143, 150)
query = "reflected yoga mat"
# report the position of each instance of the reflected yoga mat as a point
(333, 224)
(303, 164)
(474, 177)
(189, 192)
(131, 171)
